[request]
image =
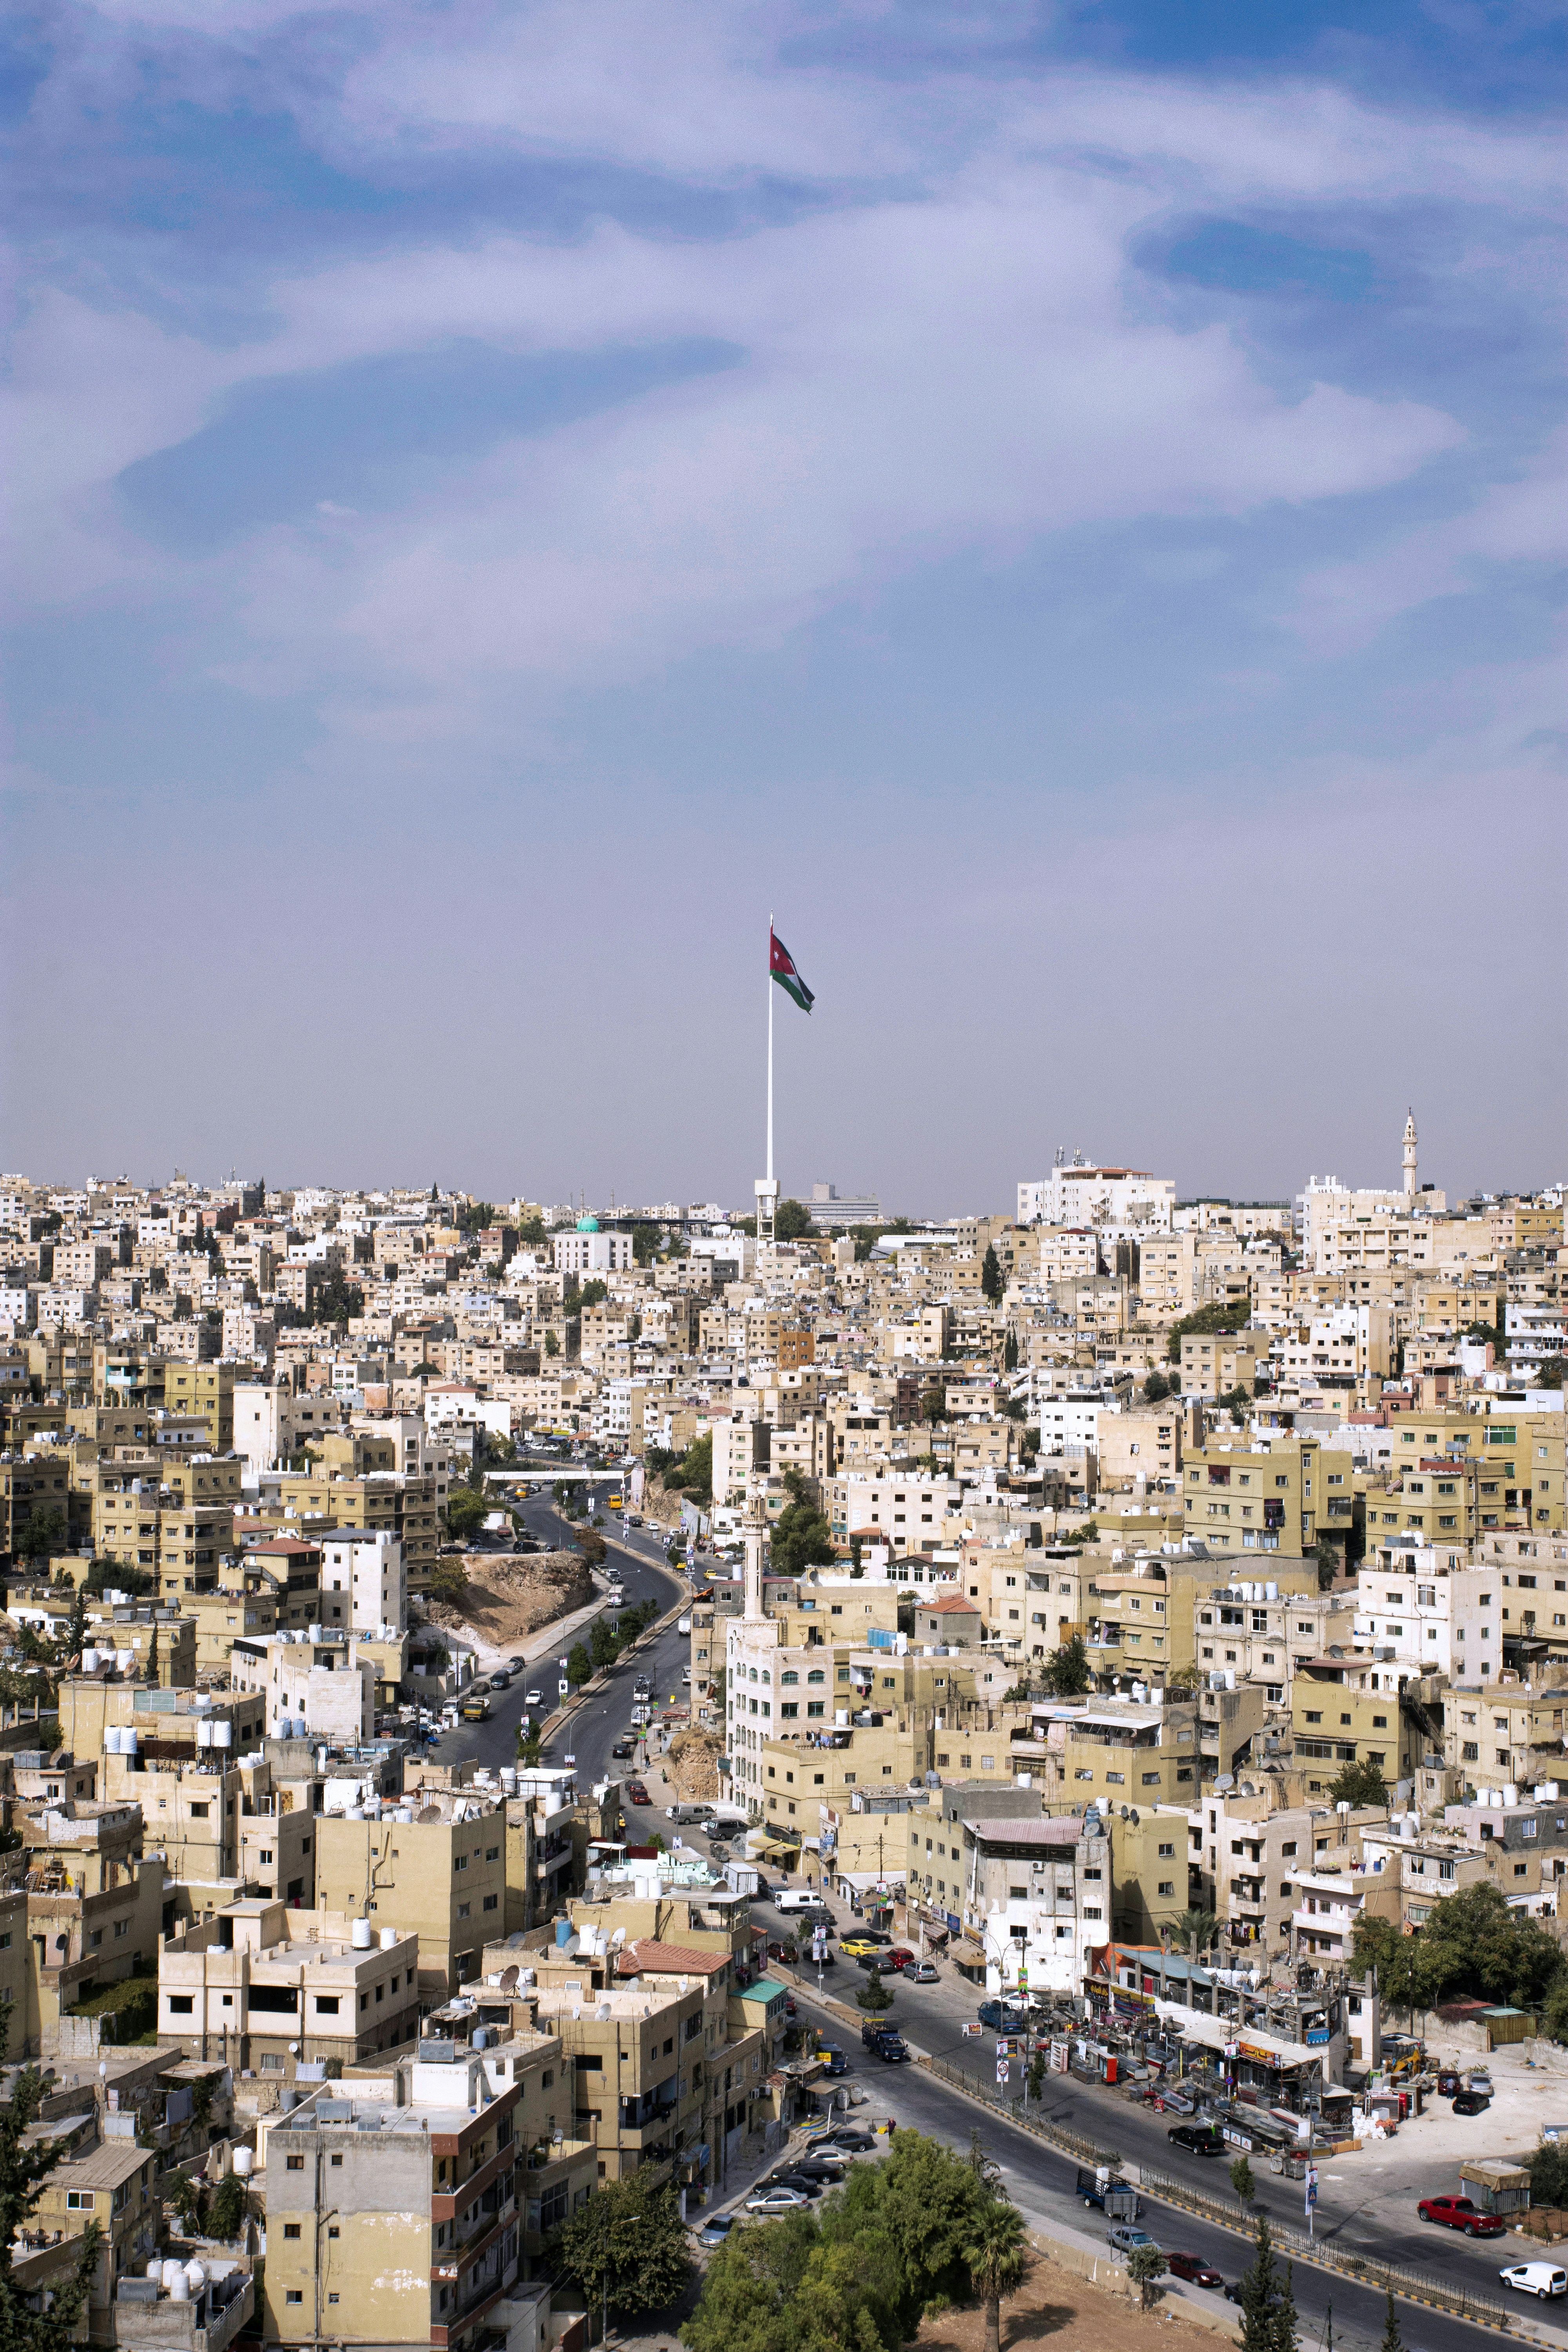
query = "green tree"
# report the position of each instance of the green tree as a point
(1329, 1560)
(602, 1644)
(227, 2210)
(1195, 1930)
(465, 1511)
(593, 1548)
(873, 1995)
(1551, 1372)
(1242, 2181)
(991, 1282)
(1393, 2341)
(593, 1294)
(153, 1655)
(1360, 1784)
(802, 1536)
(995, 2256)
(24, 2166)
(792, 1220)
(336, 1299)
(448, 1585)
(1156, 1386)
(752, 2286)
(1225, 1314)
(1145, 2265)
(1010, 1352)
(551, 1344)
(1258, 2291)
(625, 2248)
(1066, 1672)
(579, 1664)
(43, 1533)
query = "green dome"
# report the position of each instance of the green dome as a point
(587, 1224)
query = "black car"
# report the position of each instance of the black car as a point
(501, 1679)
(1203, 2139)
(792, 2179)
(1470, 2102)
(857, 2143)
(517, 1665)
(811, 2168)
(621, 1750)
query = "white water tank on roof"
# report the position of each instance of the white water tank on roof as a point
(196, 2277)
(125, 1660)
(362, 1934)
(244, 2162)
(111, 1739)
(1511, 1794)
(89, 1662)
(129, 1739)
(389, 1939)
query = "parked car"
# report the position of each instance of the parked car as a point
(793, 2180)
(1462, 2213)
(900, 1957)
(1535, 2278)
(1000, 2018)
(1194, 2268)
(636, 1793)
(1128, 2239)
(859, 1944)
(1449, 2082)
(518, 1665)
(1203, 2139)
(855, 2141)
(923, 1973)
(870, 1960)
(1479, 2081)
(836, 2061)
(621, 1750)
(1471, 2102)
(715, 2231)
(777, 2201)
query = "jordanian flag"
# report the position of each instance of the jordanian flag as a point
(781, 963)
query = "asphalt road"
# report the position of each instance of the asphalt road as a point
(595, 1726)
(1037, 2177)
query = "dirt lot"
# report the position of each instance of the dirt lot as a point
(1053, 2306)
(691, 1765)
(511, 1595)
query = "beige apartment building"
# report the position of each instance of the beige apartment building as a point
(1268, 1494)
(1118, 1752)
(395, 2220)
(1350, 1709)
(261, 1982)
(433, 1867)
(1215, 1362)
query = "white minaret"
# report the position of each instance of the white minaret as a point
(1410, 1156)
(755, 1537)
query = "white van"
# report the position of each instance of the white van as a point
(681, 1814)
(1535, 2278)
(797, 1898)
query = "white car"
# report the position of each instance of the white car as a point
(1535, 2278)
(776, 2201)
(533, 1698)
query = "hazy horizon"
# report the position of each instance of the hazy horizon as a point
(1064, 507)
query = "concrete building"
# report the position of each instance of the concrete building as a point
(365, 1575)
(261, 1982)
(433, 1867)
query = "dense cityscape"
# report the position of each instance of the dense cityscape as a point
(457, 1650)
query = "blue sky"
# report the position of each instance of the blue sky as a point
(1065, 506)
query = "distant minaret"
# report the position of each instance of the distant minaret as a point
(755, 1537)
(1410, 1157)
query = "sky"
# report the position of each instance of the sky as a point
(1062, 508)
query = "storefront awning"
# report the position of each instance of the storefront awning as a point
(866, 1881)
(1219, 2032)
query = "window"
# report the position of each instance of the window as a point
(181, 2004)
(290, 2229)
(327, 2004)
(79, 2200)
(296, 2294)
(294, 2164)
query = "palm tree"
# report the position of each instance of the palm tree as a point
(995, 2257)
(1196, 1930)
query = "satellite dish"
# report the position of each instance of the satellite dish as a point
(1226, 1780)
(508, 1979)
(428, 1814)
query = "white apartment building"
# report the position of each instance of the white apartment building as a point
(1251, 1861)
(367, 1567)
(1078, 1196)
(316, 1685)
(586, 1254)
(272, 1424)
(1038, 1894)
(905, 1512)
(1071, 1421)
(1449, 1620)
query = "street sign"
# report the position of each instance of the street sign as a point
(1001, 2070)
(1311, 2188)
(563, 1686)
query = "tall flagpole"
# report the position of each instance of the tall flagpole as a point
(770, 1044)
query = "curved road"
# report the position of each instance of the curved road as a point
(597, 1725)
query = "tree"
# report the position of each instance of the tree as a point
(873, 1995)
(602, 1644)
(337, 1299)
(43, 1533)
(1010, 1352)
(1259, 2294)
(802, 1538)
(1155, 1387)
(1223, 1315)
(1551, 1372)
(1391, 2339)
(625, 2248)
(226, 2212)
(1330, 1559)
(1193, 1930)
(593, 1294)
(792, 1220)
(1360, 1784)
(991, 1282)
(153, 1656)
(593, 1548)
(24, 2166)
(579, 1666)
(465, 1511)
(551, 1344)
(1066, 1672)
(448, 1585)
(995, 2256)
(1242, 2181)
(1145, 2265)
